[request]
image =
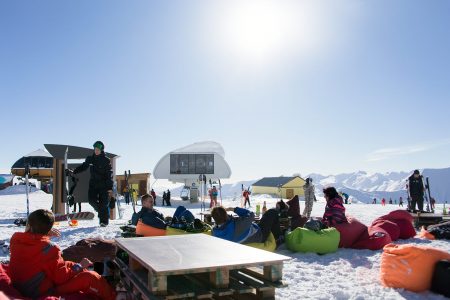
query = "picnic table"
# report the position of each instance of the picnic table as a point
(200, 266)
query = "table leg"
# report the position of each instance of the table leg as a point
(157, 284)
(274, 272)
(220, 278)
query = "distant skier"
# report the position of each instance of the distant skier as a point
(416, 191)
(345, 197)
(164, 198)
(153, 194)
(213, 195)
(390, 200)
(400, 202)
(246, 195)
(310, 197)
(383, 202)
(374, 201)
(126, 194)
(168, 198)
(100, 183)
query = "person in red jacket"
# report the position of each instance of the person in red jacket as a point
(246, 195)
(38, 269)
(152, 192)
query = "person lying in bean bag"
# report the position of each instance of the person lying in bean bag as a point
(148, 215)
(242, 229)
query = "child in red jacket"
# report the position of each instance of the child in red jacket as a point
(38, 269)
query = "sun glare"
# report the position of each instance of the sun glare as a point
(258, 32)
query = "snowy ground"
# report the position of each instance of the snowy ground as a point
(347, 274)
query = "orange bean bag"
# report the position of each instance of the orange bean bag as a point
(350, 232)
(409, 267)
(145, 230)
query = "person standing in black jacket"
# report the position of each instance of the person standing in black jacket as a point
(100, 183)
(416, 190)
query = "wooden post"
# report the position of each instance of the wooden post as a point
(58, 187)
(273, 272)
(157, 284)
(220, 278)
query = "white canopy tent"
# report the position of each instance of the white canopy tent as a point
(186, 164)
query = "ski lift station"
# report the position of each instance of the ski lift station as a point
(193, 164)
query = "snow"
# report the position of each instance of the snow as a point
(346, 274)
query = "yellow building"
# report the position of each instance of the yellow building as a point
(288, 187)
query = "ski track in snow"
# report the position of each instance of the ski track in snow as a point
(346, 274)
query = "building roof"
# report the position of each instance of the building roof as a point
(38, 153)
(274, 181)
(202, 147)
(75, 152)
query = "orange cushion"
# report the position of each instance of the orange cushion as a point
(409, 267)
(145, 230)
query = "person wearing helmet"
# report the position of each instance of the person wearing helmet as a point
(100, 182)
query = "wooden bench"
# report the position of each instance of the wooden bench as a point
(198, 266)
(426, 219)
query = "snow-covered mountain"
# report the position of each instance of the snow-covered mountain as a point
(363, 186)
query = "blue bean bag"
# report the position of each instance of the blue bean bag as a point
(304, 240)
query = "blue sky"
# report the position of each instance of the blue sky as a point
(285, 86)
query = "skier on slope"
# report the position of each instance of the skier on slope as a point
(310, 197)
(100, 183)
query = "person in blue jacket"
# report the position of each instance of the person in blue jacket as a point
(242, 229)
(148, 215)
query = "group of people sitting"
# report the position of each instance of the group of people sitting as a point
(241, 227)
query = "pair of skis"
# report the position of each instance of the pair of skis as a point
(119, 208)
(427, 189)
(130, 193)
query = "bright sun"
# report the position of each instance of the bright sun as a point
(257, 32)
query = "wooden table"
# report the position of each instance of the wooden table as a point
(428, 218)
(198, 255)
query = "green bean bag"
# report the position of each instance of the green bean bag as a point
(269, 245)
(305, 240)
